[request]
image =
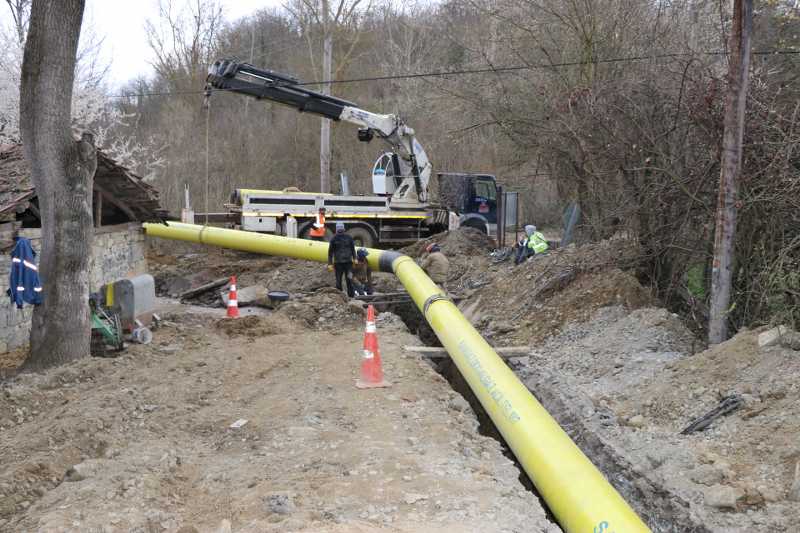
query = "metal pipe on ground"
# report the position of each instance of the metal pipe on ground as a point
(578, 495)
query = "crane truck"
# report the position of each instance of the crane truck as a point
(400, 210)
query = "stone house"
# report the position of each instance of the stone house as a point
(121, 201)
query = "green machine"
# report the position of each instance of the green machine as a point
(106, 329)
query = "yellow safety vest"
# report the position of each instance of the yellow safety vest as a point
(537, 243)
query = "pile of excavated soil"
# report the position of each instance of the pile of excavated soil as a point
(253, 326)
(326, 308)
(529, 302)
(625, 383)
(624, 378)
(199, 431)
(752, 453)
(460, 242)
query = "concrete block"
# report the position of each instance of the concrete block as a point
(722, 496)
(779, 335)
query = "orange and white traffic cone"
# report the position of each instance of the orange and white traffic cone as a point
(233, 304)
(371, 371)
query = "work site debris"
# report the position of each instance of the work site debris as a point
(191, 293)
(726, 406)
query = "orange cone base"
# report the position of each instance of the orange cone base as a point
(361, 384)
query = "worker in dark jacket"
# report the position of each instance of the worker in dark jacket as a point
(362, 274)
(341, 255)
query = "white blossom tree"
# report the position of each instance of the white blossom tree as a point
(92, 109)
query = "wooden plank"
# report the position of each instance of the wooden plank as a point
(505, 352)
(115, 201)
(204, 288)
(98, 210)
(367, 297)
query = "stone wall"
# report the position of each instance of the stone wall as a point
(117, 252)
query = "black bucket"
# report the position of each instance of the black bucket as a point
(277, 296)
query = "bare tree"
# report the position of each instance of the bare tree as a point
(62, 171)
(325, 19)
(19, 13)
(738, 76)
(183, 38)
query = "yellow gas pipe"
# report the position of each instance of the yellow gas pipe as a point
(581, 499)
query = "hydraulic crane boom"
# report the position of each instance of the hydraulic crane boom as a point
(415, 168)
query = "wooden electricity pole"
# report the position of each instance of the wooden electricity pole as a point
(725, 231)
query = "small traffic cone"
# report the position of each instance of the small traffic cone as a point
(371, 371)
(233, 304)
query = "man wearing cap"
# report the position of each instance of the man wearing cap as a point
(341, 255)
(533, 244)
(362, 274)
(436, 265)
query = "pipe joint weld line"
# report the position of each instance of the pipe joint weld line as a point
(431, 300)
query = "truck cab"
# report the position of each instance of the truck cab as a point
(472, 196)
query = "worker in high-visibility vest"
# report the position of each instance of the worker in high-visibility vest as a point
(533, 244)
(317, 231)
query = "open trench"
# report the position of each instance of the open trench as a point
(417, 325)
(663, 512)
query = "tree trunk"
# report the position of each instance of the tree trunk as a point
(62, 171)
(725, 230)
(325, 126)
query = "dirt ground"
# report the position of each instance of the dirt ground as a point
(624, 377)
(145, 442)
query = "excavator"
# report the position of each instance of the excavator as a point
(401, 209)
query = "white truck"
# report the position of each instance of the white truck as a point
(399, 211)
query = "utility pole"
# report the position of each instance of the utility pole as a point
(725, 230)
(325, 127)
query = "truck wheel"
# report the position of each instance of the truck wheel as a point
(362, 236)
(476, 224)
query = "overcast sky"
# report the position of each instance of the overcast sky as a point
(121, 24)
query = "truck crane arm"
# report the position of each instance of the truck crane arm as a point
(229, 75)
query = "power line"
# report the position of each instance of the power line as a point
(485, 70)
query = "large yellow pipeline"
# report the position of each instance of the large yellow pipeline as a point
(581, 499)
